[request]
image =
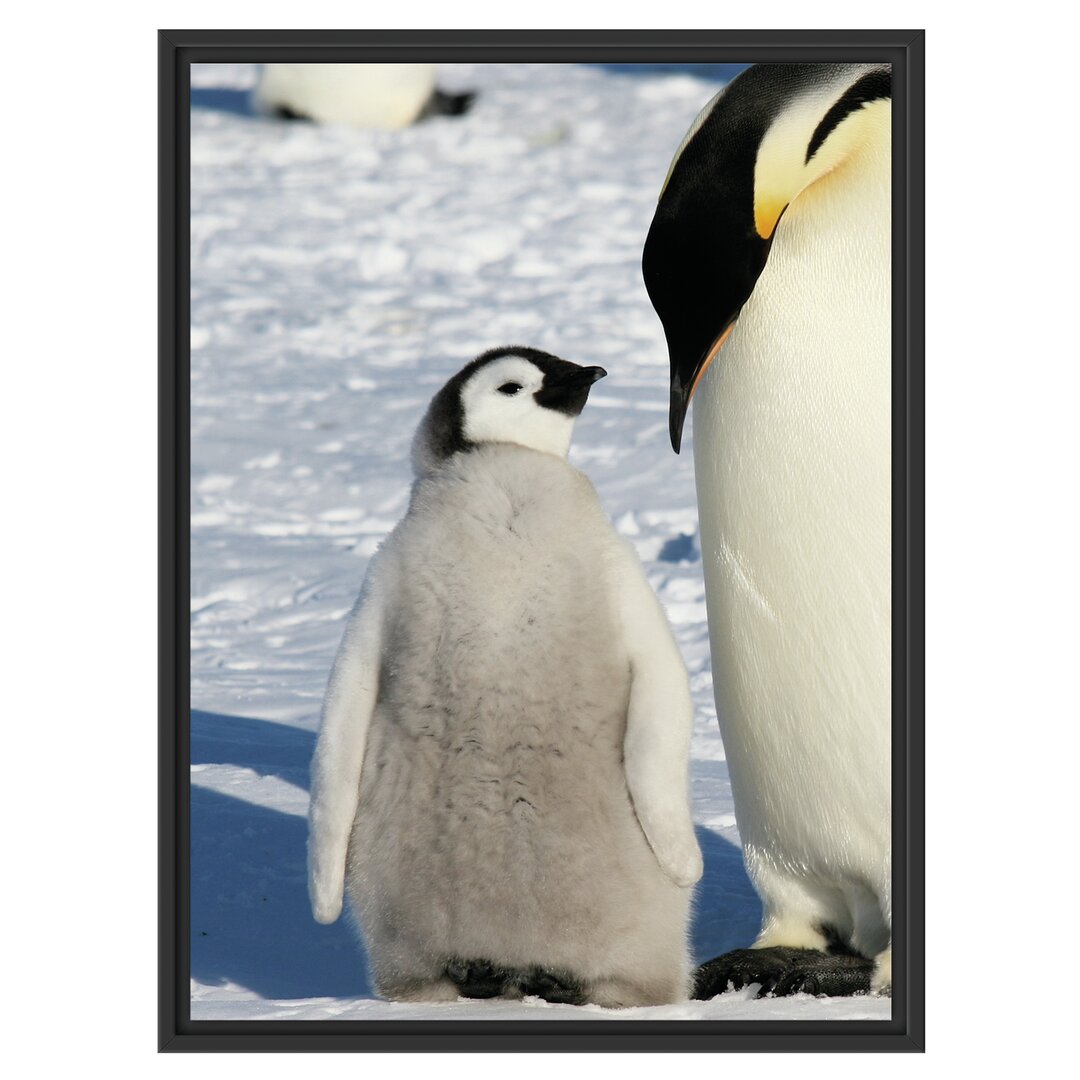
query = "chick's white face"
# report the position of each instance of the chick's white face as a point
(499, 406)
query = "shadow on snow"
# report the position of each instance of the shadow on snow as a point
(251, 924)
(222, 99)
(720, 72)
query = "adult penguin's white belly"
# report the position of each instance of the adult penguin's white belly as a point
(792, 460)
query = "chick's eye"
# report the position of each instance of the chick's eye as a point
(509, 388)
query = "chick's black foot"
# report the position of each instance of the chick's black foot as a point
(781, 971)
(478, 978)
(483, 979)
(560, 989)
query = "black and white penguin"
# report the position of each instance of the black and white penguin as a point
(771, 239)
(500, 778)
(373, 96)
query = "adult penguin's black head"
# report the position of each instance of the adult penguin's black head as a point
(776, 129)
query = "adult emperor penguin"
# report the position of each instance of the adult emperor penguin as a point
(500, 778)
(771, 239)
(375, 96)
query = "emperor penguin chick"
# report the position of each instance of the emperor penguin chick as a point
(500, 780)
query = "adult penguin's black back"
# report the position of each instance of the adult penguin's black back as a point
(771, 242)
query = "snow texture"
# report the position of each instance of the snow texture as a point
(338, 279)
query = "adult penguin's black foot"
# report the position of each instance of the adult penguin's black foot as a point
(782, 970)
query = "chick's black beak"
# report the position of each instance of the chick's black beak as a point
(567, 390)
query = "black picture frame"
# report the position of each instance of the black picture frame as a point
(904, 49)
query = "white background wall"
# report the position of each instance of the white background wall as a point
(77, 420)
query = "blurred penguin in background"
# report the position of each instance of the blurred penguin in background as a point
(381, 97)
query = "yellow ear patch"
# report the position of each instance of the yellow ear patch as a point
(767, 211)
(781, 171)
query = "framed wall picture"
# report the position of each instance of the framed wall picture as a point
(608, 344)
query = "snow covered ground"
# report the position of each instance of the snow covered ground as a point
(338, 279)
